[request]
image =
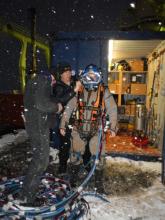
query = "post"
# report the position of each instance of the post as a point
(163, 157)
(33, 69)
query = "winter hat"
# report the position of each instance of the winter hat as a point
(59, 69)
(62, 67)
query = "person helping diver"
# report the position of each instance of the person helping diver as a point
(64, 90)
(84, 113)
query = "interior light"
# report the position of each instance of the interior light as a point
(110, 54)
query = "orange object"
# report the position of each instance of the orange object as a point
(95, 106)
(130, 109)
(114, 88)
(138, 88)
(136, 65)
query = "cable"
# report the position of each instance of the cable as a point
(70, 204)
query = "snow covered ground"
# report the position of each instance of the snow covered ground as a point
(148, 204)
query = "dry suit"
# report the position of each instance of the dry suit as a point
(86, 113)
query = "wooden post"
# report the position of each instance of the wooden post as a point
(120, 87)
(163, 156)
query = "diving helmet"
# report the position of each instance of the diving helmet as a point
(91, 77)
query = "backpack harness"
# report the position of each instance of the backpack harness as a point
(87, 127)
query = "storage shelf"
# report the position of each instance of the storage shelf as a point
(113, 71)
(129, 115)
(119, 87)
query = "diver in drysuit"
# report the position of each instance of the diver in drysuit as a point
(84, 113)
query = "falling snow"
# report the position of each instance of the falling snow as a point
(53, 11)
(146, 204)
(54, 16)
(132, 4)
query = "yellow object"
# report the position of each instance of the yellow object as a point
(130, 127)
(120, 68)
(25, 39)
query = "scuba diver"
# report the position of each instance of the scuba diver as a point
(84, 114)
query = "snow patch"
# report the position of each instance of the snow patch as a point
(10, 139)
(144, 165)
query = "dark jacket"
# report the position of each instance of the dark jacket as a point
(63, 92)
(39, 104)
(39, 108)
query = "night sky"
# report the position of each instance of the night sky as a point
(67, 15)
(54, 16)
